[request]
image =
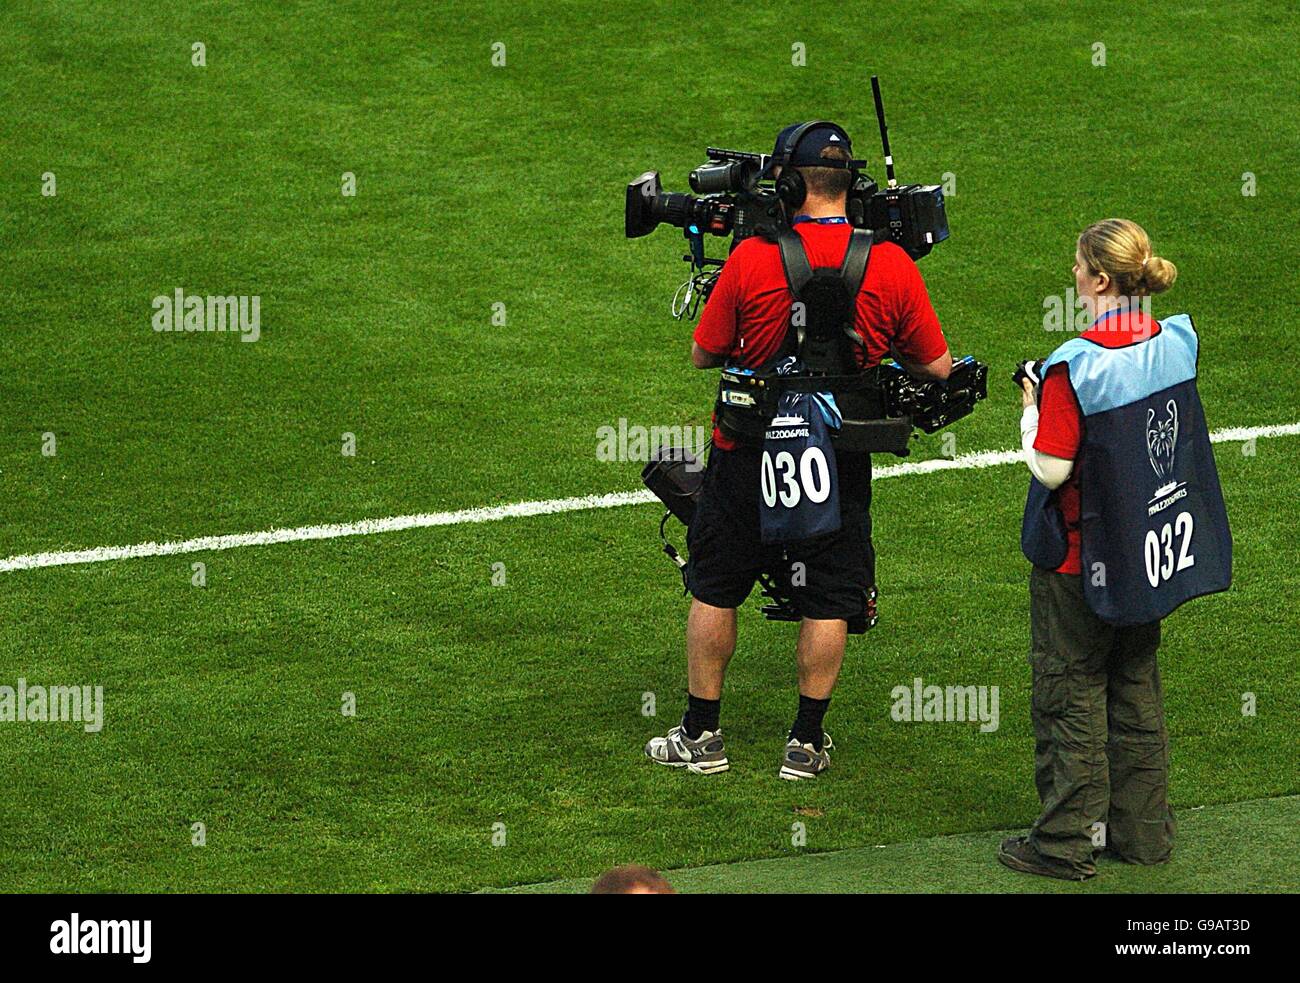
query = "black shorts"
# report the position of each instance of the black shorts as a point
(727, 553)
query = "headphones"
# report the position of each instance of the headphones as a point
(790, 186)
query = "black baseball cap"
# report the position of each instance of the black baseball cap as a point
(809, 151)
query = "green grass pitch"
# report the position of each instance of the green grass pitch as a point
(514, 712)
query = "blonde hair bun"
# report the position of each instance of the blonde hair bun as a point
(1122, 250)
(1158, 275)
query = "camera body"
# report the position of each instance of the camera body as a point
(1030, 370)
(730, 201)
(913, 216)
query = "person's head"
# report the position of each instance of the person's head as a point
(632, 879)
(1113, 261)
(829, 184)
(826, 185)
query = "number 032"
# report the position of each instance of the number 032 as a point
(1159, 549)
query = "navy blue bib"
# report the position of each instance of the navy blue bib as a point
(799, 485)
(1153, 527)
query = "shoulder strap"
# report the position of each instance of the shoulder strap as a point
(854, 268)
(794, 261)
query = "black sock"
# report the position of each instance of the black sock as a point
(701, 715)
(807, 727)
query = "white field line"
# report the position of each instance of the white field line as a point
(423, 520)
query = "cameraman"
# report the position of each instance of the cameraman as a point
(1124, 521)
(744, 325)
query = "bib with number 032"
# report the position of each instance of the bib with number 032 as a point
(1153, 527)
(799, 484)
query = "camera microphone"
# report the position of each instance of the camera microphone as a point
(891, 181)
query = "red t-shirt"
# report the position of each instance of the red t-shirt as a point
(748, 311)
(1060, 421)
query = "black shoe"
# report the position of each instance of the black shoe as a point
(1019, 854)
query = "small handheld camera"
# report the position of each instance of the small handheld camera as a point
(1029, 369)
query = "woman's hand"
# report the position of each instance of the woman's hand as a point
(1027, 393)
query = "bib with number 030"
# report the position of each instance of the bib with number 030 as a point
(799, 485)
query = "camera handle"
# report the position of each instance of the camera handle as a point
(686, 299)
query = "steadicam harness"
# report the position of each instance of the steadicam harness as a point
(822, 334)
(822, 331)
(816, 375)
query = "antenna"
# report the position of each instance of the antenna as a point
(884, 132)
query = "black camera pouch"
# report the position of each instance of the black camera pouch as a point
(675, 475)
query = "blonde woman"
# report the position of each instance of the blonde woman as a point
(1124, 522)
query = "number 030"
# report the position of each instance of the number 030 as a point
(1159, 549)
(810, 478)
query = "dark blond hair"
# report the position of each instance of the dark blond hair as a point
(828, 182)
(1122, 250)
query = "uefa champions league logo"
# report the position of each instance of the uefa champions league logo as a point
(1162, 441)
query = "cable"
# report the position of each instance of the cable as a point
(687, 297)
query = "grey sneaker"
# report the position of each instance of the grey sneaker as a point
(805, 761)
(704, 756)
